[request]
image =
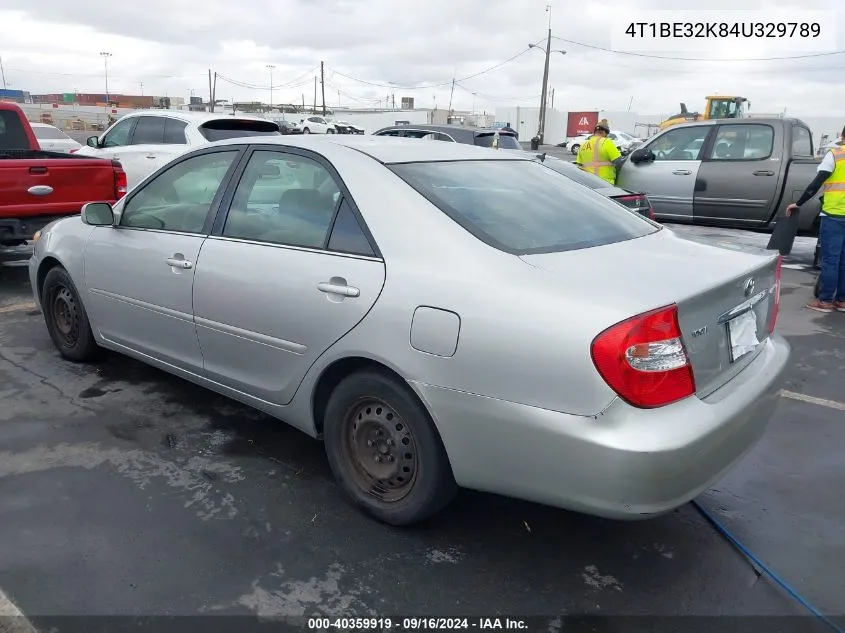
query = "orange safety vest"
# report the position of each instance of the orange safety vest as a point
(834, 187)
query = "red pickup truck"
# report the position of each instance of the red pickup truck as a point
(37, 187)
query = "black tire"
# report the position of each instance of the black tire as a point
(330, 130)
(575, 149)
(306, 131)
(66, 319)
(412, 486)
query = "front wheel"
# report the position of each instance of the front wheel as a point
(330, 130)
(575, 149)
(384, 450)
(66, 319)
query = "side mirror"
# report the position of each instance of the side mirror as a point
(92, 141)
(641, 156)
(98, 214)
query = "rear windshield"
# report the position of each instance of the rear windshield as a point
(575, 173)
(12, 134)
(506, 141)
(222, 129)
(48, 133)
(522, 207)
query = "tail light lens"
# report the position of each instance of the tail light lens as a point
(74, 150)
(120, 182)
(773, 315)
(644, 361)
(637, 202)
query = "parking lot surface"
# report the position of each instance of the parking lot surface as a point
(128, 491)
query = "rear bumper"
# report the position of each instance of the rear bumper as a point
(625, 463)
(14, 230)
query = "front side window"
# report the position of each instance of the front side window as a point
(118, 136)
(521, 206)
(179, 199)
(743, 142)
(283, 199)
(680, 144)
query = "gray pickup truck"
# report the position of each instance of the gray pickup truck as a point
(739, 173)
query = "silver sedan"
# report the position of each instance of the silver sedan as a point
(440, 315)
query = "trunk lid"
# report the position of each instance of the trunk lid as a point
(725, 294)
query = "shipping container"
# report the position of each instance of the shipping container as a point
(68, 97)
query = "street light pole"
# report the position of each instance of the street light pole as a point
(105, 57)
(542, 124)
(270, 67)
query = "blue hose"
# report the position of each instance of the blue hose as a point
(771, 574)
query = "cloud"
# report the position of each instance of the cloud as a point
(377, 49)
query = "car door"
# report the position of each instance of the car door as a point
(740, 175)
(286, 273)
(143, 154)
(668, 180)
(113, 141)
(139, 274)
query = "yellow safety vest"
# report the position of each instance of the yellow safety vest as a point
(596, 156)
(834, 187)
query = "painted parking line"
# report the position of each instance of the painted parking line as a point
(17, 307)
(822, 402)
(12, 619)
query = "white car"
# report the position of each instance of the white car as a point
(52, 139)
(624, 142)
(145, 140)
(317, 125)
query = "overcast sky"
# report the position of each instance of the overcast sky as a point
(54, 46)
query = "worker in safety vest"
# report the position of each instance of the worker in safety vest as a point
(830, 178)
(599, 155)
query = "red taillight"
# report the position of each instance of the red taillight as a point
(120, 182)
(643, 359)
(74, 150)
(773, 315)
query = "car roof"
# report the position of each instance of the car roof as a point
(193, 117)
(742, 121)
(35, 124)
(444, 128)
(385, 149)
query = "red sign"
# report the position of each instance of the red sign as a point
(581, 123)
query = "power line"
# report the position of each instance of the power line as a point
(293, 83)
(698, 59)
(437, 85)
(495, 97)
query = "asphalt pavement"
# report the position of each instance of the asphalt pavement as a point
(126, 491)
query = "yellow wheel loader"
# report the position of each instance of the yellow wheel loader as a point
(717, 107)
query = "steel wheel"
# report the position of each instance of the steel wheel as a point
(65, 314)
(381, 448)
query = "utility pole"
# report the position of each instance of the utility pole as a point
(3, 73)
(449, 112)
(214, 95)
(270, 67)
(105, 57)
(323, 86)
(542, 127)
(142, 88)
(314, 109)
(210, 93)
(552, 100)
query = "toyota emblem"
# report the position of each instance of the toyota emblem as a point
(748, 288)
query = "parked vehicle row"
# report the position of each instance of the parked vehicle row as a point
(256, 268)
(52, 139)
(39, 186)
(625, 142)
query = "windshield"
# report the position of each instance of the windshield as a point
(236, 128)
(49, 133)
(522, 207)
(506, 141)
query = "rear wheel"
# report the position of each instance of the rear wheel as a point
(330, 130)
(385, 451)
(575, 149)
(306, 131)
(66, 319)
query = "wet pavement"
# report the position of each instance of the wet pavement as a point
(127, 491)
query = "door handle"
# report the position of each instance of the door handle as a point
(338, 289)
(40, 190)
(151, 157)
(764, 172)
(179, 263)
(682, 172)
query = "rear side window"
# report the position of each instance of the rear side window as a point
(575, 173)
(149, 131)
(49, 133)
(506, 141)
(222, 129)
(347, 235)
(12, 133)
(802, 141)
(522, 207)
(174, 132)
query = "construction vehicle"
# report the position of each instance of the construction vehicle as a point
(716, 107)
